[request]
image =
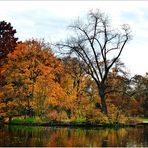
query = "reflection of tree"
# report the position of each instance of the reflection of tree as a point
(145, 136)
(104, 143)
(69, 137)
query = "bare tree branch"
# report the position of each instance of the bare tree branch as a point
(99, 46)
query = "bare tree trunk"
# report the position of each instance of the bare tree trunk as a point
(103, 100)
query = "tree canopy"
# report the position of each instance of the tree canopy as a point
(8, 41)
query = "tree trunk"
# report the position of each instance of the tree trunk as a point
(28, 107)
(10, 119)
(103, 100)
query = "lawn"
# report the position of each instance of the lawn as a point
(145, 120)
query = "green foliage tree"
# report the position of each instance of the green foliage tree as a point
(140, 93)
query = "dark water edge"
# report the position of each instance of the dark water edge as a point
(43, 136)
(81, 124)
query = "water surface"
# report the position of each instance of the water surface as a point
(73, 137)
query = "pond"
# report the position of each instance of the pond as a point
(72, 137)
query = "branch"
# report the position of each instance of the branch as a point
(91, 44)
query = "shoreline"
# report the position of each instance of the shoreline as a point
(79, 125)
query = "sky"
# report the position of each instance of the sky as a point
(50, 20)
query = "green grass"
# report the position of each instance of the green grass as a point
(145, 120)
(23, 121)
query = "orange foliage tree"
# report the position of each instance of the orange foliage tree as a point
(79, 90)
(32, 79)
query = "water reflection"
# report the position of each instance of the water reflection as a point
(68, 137)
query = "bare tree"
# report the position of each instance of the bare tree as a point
(99, 46)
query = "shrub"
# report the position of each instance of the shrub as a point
(97, 117)
(62, 116)
(132, 120)
(123, 119)
(53, 115)
(115, 114)
(80, 120)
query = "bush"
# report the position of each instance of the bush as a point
(133, 120)
(115, 115)
(53, 115)
(123, 119)
(80, 120)
(97, 118)
(62, 116)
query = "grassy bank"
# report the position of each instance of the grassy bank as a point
(83, 124)
(145, 120)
